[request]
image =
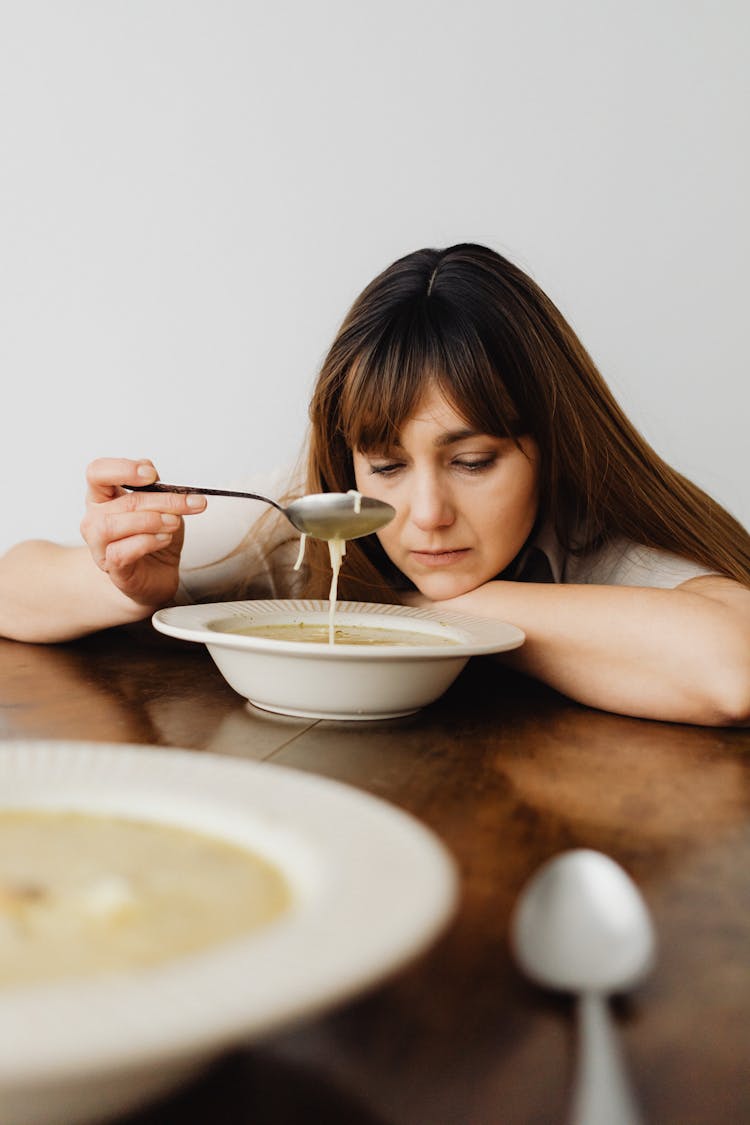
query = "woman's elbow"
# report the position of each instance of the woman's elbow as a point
(728, 695)
(736, 707)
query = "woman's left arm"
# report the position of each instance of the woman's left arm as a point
(681, 655)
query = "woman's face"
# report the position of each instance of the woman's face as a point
(465, 502)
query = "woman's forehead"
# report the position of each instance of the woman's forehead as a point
(435, 408)
(432, 409)
(434, 416)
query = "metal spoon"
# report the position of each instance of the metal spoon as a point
(326, 515)
(580, 925)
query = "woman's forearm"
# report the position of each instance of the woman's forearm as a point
(681, 655)
(54, 593)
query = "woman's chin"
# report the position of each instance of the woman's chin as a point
(444, 589)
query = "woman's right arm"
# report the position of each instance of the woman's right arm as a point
(128, 568)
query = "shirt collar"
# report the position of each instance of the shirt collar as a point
(541, 559)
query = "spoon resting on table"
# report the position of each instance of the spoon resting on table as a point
(326, 515)
(580, 925)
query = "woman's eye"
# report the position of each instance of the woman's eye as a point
(475, 466)
(387, 469)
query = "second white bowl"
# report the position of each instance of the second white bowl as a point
(339, 681)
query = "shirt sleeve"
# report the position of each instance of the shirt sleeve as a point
(623, 563)
(236, 543)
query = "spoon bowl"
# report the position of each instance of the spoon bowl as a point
(338, 515)
(325, 515)
(580, 925)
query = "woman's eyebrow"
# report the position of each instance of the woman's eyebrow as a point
(450, 437)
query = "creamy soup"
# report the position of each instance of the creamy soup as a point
(345, 634)
(336, 550)
(84, 894)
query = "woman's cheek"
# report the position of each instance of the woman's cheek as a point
(390, 546)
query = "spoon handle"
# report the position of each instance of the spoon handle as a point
(157, 486)
(602, 1091)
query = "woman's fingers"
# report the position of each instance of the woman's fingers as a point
(120, 537)
(121, 527)
(135, 537)
(106, 475)
(124, 554)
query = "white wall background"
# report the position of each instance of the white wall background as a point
(193, 191)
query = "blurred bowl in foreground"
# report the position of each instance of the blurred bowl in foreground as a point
(369, 889)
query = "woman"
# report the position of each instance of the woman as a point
(456, 391)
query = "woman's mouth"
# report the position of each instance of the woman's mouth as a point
(439, 558)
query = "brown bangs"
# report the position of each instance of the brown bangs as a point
(378, 397)
(385, 384)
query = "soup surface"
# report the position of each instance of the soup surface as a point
(345, 634)
(85, 894)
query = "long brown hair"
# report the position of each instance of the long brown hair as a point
(471, 322)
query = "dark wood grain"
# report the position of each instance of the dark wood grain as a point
(507, 773)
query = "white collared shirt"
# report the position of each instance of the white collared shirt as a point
(619, 563)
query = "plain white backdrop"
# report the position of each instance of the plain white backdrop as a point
(192, 192)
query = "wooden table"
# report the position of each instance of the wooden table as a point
(507, 773)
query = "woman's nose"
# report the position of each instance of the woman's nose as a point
(431, 506)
